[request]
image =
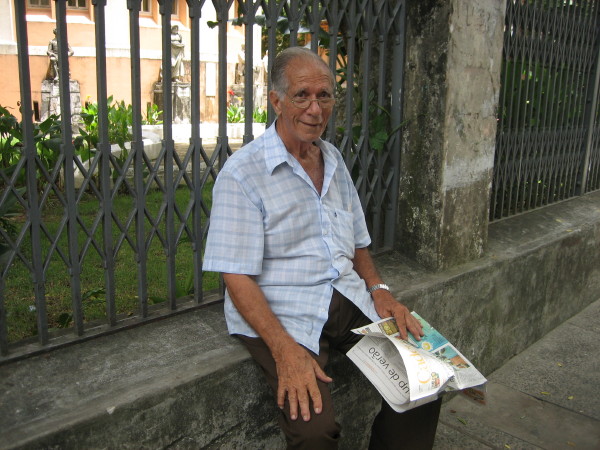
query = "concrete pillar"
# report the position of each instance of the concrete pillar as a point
(452, 83)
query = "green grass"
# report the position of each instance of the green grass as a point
(19, 288)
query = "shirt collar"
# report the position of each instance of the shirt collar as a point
(276, 153)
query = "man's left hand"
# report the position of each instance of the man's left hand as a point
(387, 306)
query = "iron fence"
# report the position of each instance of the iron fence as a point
(142, 219)
(547, 146)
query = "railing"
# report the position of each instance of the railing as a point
(548, 146)
(142, 219)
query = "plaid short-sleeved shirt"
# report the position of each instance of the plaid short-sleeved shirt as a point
(269, 221)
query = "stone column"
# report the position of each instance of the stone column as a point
(51, 101)
(452, 83)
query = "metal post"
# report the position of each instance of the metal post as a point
(33, 206)
(396, 121)
(137, 147)
(166, 7)
(104, 150)
(249, 19)
(69, 156)
(590, 114)
(222, 9)
(195, 9)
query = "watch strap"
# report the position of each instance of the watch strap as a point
(378, 286)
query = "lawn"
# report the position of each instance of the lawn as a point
(18, 285)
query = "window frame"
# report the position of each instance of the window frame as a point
(85, 7)
(180, 13)
(86, 11)
(38, 6)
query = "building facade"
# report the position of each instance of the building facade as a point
(41, 21)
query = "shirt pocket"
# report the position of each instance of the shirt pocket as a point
(342, 226)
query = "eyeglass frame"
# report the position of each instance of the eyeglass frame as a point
(309, 100)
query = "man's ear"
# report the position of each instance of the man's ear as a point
(275, 101)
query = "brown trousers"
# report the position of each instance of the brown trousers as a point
(414, 429)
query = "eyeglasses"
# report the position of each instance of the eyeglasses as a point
(304, 103)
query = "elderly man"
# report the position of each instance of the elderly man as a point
(288, 233)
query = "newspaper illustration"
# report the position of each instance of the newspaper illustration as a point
(410, 373)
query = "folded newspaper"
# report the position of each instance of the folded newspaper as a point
(411, 373)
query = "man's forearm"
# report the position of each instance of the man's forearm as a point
(365, 267)
(384, 302)
(249, 300)
(297, 370)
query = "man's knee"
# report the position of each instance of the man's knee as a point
(320, 432)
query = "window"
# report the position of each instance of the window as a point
(147, 6)
(77, 4)
(76, 9)
(150, 9)
(39, 3)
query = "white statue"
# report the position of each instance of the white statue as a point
(177, 51)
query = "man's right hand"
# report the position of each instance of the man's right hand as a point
(297, 374)
(297, 370)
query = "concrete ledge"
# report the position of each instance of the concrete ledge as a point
(179, 383)
(539, 269)
(183, 383)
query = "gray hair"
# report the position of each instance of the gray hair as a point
(279, 80)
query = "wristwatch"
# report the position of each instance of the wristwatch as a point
(378, 286)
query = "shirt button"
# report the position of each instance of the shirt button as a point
(325, 232)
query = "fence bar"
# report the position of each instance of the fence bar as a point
(350, 37)
(377, 186)
(68, 151)
(249, 19)
(222, 10)
(34, 213)
(274, 8)
(293, 21)
(104, 150)
(315, 25)
(591, 118)
(137, 146)
(334, 18)
(195, 9)
(166, 8)
(365, 89)
(396, 116)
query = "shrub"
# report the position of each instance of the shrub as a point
(235, 114)
(120, 118)
(47, 136)
(259, 116)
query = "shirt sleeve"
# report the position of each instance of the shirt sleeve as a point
(235, 242)
(361, 232)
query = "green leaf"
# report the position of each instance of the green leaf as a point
(64, 320)
(378, 140)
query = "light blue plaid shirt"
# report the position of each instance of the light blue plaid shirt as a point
(268, 220)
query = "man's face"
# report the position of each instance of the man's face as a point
(307, 79)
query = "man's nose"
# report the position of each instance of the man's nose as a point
(315, 107)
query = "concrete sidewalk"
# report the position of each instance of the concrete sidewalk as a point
(546, 397)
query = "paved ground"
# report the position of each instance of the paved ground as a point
(546, 397)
